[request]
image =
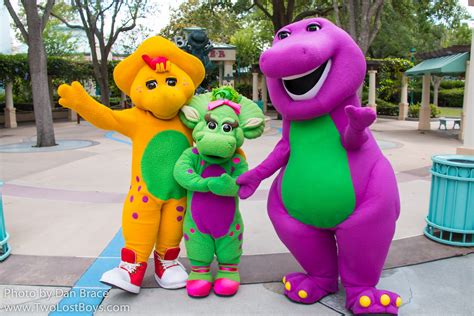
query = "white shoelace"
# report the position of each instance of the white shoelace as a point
(130, 267)
(169, 263)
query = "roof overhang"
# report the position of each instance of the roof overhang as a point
(446, 65)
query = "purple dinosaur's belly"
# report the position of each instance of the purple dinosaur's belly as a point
(213, 214)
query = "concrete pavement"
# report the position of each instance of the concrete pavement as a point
(65, 206)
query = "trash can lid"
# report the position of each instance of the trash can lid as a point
(455, 160)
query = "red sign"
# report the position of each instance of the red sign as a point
(217, 53)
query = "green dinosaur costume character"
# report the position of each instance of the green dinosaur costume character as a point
(212, 225)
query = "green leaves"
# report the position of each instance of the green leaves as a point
(72, 68)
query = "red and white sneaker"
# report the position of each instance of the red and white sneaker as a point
(128, 275)
(169, 272)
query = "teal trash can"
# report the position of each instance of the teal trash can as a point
(451, 214)
(4, 247)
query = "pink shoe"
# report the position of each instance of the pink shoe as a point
(226, 287)
(198, 288)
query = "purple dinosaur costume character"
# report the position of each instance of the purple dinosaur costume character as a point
(335, 201)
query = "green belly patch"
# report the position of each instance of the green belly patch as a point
(317, 186)
(158, 161)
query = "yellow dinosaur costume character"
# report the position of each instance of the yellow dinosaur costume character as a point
(159, 78)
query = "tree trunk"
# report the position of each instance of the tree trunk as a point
(39, 78)
(104, 84)
(51, 91)
(361, 19)
(436, 83)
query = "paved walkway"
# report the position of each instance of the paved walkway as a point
(63, 210)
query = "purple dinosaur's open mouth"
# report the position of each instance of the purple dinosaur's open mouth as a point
(305, 86)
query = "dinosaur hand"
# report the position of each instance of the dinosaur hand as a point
(248, 184)
(224, 185)
(360, 118)
(73, 96)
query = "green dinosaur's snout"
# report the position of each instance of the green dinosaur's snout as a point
(216, 145)
(218, 136)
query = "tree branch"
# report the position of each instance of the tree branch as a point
(317, 12)
(62, 20)
(374, 8)
(352, 20)
(16, 20)
(125, 27)
(290, 8)
(264, 10)
(118, 5)
(377, 24)
(336, 12)
(46, 13)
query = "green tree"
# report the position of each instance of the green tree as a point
(255, 34)
(103, 22)
(217, 19)
(283, 12)
(421, 24)
(58, 40)
(248, 51)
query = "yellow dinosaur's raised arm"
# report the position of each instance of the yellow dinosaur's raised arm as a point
(76, 98)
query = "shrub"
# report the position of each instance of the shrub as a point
(451, 97)
(451, 84)
(414, 111)
(387, 108)
(389, 76)
(244, 89)
(446, 97)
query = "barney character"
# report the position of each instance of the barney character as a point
(335, 201)
(159, 78)
(212, 224)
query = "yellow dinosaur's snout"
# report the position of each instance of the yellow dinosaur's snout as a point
(162, 93)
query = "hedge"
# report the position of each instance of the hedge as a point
(67, 69)
(61, 69)
(446, 97)
(414, 111)
(389, 74)
(451, 97)
(451, 84)
(387, 108)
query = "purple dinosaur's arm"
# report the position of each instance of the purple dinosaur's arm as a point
(355, 134)
(250, 180)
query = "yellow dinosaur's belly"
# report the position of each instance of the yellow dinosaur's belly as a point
(156, 148)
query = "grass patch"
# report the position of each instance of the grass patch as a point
(451, 112)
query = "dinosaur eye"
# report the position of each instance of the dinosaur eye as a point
(151, 84)
(171, 82)
(283, 34)
(211, 125)
(313, 27)
(226, 128)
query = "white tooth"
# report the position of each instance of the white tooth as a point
(314, 90)
(300, 75)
